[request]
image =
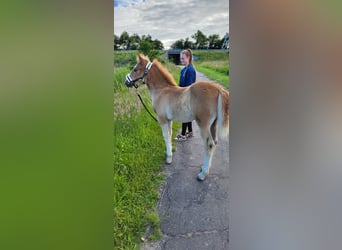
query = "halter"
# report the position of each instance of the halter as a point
(130, 82)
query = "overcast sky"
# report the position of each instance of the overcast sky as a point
(171, 20)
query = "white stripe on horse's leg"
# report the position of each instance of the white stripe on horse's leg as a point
(201, 176)
(166, 128)
(206, 165)
(169, 143)
(209, 148)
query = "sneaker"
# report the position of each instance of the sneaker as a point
(181, 137)
(189, 134)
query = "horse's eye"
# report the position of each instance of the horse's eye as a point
(135, 69)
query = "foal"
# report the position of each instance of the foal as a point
(205, 102)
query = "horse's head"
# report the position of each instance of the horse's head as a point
(139, 71)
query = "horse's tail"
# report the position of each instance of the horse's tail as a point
(223, 113)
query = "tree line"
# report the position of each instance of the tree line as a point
(202, 41)
(135, 42)
(146, 43)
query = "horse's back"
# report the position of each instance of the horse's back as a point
(205, 91)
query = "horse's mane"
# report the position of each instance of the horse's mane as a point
(166, 74)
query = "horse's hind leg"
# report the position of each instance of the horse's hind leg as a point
(213, 131)
(167, 133)
(209, 137)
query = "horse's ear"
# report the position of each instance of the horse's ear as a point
(140, 57)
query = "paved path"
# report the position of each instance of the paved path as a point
(194, 214)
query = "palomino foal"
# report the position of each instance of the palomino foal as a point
(205, 102)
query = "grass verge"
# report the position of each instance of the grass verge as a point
(214, 64)
(213, 75)
(139, 154)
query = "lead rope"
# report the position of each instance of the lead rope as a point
(146, 107)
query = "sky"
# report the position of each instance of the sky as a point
(171, 20)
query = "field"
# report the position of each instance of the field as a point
(139, 151)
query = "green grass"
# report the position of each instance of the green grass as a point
(214, 75)
(220, 66)
(211, 55)
(125, 59)
(136, 177)
(139, 154)
(215, 65)
(119, 79)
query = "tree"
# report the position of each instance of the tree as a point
(116, 42)
(158, 45)
(146, 38)
(145, 47)
(134, 42)
(214, 41)
(124, 40)
(179, 44)
(127, 42)
(188, 44)
(201, 40)
(183, 44)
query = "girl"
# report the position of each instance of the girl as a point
(187, 77)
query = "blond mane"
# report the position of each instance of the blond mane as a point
(166, 74)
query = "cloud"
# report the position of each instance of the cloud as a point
(171, 20)
(127, 3)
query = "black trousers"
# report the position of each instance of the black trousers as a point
(186, 125)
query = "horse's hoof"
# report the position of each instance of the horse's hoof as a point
(168, 160)
(200, 177)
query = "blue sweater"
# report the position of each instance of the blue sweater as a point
(187, 76)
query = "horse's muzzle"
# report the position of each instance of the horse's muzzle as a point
(128, 81)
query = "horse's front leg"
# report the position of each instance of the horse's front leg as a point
(167, 134)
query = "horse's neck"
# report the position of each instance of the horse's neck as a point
(157, 81)
(154, 89)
